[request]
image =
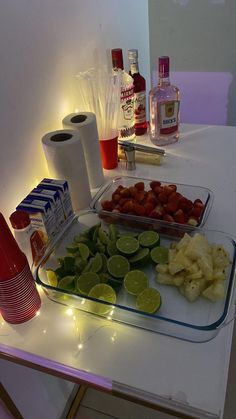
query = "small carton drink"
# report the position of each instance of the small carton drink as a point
(55, 200)
(63, 188)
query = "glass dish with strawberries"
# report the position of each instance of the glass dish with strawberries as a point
(133, 199)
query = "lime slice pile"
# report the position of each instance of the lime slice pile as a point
(135, 282)
(140, 258)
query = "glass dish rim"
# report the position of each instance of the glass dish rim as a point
(213, 326)
(207, 206)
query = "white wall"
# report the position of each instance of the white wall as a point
(199, 37)
(42, 46)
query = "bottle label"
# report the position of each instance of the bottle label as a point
(168, 117)
(140, 107)
(127, 113)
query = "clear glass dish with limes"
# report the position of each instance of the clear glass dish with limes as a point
(134, 275)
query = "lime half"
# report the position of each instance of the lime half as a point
(149, 300)
(135, 282)
(86, 282)
(104, 293)
(118, 266)
(67, 283)
(149, 239)
(160, 254)
(52, 278)
(140, 258)
(127, 245)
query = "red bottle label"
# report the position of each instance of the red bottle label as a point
(140, 107)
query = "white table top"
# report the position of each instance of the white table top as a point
(187, 377)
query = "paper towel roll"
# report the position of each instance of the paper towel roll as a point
(85, 123)
(65, 158)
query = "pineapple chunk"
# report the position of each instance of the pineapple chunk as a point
(184, 242)
(214, 292)
(178, 279)
(220, 257)
(198, 246)
(162, 268)
(219, 275)
(165, 279)
(191, 289)
(205, 264)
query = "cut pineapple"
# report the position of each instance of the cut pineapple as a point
(214, 292)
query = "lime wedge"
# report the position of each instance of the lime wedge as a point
(141, 257)
(149, 239)
(83, 250)
(103, 236)
(104, 263)
(127, 245)
(67, 283)
(159, 255)
(52, 278)
(113, 232)
(149, 300)
(97, 263)
(118, 266)
(72, 249)
(80, 264)
(112, 249)
(135, 282)
(104, 293)
(86, 282)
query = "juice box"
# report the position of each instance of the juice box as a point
(54, 197)
(63, 188)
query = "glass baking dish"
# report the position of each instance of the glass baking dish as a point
(197, 322)
(188, 191)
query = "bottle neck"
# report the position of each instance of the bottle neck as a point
(134, 69)
(163, 81)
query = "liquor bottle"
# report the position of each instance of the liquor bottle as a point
(164, 108)
(140, 123)
(126, 117)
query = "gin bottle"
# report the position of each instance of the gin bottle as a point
(164, 108)
(140, 123)
(126, 117)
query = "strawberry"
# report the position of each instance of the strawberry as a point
(128, 205)
(125, 193)
(154, 183)
(139, 209)
(116, 197)
(140, 186)
(171, 207)
(156, 214)
(168, 190)
(163, 197)
(148, 207)
(196, 212)
(133, 191)
(158, 189)
(179, 216)
(107, 205)
(168, 217)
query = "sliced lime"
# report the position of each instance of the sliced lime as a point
(112, 249)
(104, 277)
(127, 245)
(80, 264)
(97, 263)
(103, 236)
(149, 239)
(113, 232)
(160, 255)
(149, 300)
(88, 266)
(104, 293)
(72, 249)
(104, 262)
(52, 278)
(83, 250)
(118, 266)
(86, 282)
(135, 282)
(141, 257)
(67, 283)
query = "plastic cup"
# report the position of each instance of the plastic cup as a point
(109, 153)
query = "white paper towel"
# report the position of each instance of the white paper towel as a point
(85, 123)
(65, 158)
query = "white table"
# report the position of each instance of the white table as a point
(189, 378)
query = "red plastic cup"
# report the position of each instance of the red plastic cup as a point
(109, 153)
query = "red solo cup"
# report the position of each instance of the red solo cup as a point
(109, 153)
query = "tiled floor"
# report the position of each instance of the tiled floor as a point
(97, 405)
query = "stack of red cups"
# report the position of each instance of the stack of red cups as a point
(19, 298)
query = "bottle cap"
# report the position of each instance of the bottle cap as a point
(133, 54)
(19, 219)
(117, 58)
(164, 63)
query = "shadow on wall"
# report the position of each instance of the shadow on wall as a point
(205, 97)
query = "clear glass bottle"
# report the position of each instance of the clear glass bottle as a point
(140, 123)
(126, 118)
(164, 106)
